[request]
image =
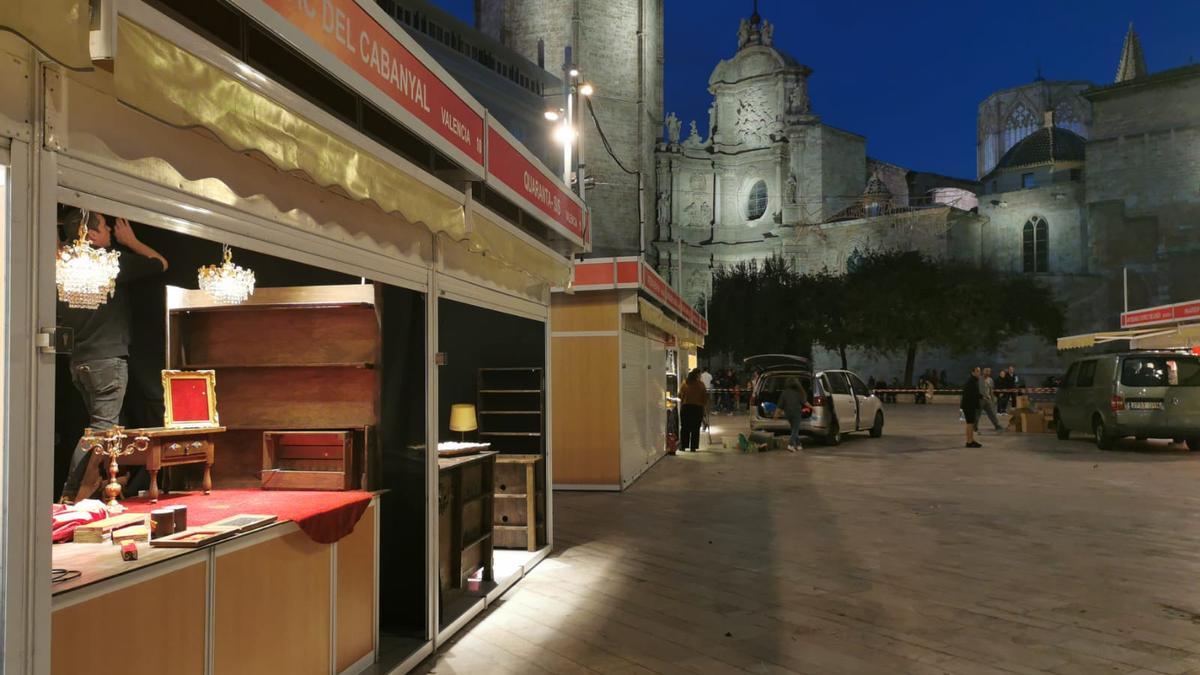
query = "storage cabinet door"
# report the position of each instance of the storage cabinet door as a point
(633, 405)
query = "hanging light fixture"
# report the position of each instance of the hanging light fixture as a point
(86, 276)
(227, 283)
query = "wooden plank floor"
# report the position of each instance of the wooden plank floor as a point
(906, 554)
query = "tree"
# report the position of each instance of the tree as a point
(755, 308)
(910, 301)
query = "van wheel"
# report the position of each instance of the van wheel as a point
(1103, 440)
(877, 428)
(1061, 429)
(1193, 444)
(834, 437)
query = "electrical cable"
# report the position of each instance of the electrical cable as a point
(59, 575)
(604, 139)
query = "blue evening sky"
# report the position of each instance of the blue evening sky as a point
(910, 75)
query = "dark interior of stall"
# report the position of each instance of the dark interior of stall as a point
(494, 362)
(396, 457)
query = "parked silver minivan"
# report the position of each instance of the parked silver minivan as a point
(1149, 394)
(841, 401)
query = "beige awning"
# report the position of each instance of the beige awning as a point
(166, 82)
(654, 316)
(1182, 337)
(57, 28)
(1171, 337)
(488, 237)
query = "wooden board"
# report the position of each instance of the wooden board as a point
(166, 620)
(296, 398)
(591, 311)
(356, 557)
(282, 336)
(273, 608)
(587, 424)
(93, 533)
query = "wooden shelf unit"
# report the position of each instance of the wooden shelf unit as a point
(288, 359)
(512, 409)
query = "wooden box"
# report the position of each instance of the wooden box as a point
(310, 460)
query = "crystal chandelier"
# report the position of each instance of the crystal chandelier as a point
(228, 284)
(86, 276)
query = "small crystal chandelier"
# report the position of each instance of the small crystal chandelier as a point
(86, 276)
(227, 283)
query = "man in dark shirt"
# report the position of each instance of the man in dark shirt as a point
(969, 403)
(99, 361)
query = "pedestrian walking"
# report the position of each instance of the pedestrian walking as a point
(987, 399)
(793, 404)
(693, 398)
(1003, 384)
(969, 403)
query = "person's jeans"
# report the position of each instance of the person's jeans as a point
(794, 440)
(102, 384)
(989, 409)
(690, 418)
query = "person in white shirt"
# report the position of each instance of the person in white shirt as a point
(707, 378)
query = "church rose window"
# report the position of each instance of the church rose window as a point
(756, 203)
(1035, 246)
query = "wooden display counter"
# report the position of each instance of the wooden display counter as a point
(269, 601)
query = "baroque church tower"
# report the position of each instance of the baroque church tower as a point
(618, 47)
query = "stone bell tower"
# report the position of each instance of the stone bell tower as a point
(618, 47)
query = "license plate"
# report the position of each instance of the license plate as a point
(1144, 405)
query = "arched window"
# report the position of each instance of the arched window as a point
(1020, 124)
(1035, 246)
(756, 203)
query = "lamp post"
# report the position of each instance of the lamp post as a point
(568, 131)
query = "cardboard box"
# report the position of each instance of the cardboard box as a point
(1022, 401)
(1032, 423)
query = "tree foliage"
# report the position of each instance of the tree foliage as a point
(890, 302)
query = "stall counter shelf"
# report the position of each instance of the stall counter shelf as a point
(209, 604)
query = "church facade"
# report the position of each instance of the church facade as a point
(767, 177)
(1077, 183)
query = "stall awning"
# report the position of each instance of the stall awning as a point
(659, 319)
(164, 81)
(488, 236)
(57, 28)
(1145, 338)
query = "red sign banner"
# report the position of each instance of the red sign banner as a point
(529, 183)
(658, 287)
(356, 39)
(1184, 311)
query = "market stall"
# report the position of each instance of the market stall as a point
(324, 383)
(621, 340)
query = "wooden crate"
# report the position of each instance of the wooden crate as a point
(311, 460)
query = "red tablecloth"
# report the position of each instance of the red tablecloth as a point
(324, 516)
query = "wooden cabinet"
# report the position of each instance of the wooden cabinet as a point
(520, 519)
(297, 359)
(465, 514)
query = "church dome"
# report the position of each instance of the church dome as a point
(1045, 146)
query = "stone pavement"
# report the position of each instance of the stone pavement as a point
(906, 554)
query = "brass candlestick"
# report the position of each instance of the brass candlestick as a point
(111, 443)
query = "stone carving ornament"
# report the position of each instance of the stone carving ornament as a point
(790, 189)
(753, 121)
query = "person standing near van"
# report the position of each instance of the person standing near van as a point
(969, 403)
(693, 399)
(792, 404)
(987, 399)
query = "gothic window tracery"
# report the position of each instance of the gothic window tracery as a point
(1020, 123)
(1066, 117)
(1035, 246)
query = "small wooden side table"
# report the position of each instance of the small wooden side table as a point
(174, 447)
(516, 483)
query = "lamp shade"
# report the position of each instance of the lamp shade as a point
(462, 417)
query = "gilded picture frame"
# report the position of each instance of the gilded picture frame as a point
(190, 399)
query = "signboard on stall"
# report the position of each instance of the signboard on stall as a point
(513, 172)
(390, 63)
(660, 290)
(1177, 313)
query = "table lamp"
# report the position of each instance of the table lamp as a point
(462, 419)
